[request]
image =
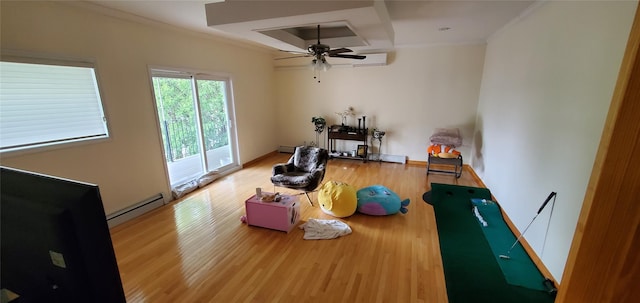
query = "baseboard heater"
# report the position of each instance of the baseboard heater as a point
(138, 209)
(389, 158)
(372, 157)
(286, 149)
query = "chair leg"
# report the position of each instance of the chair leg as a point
(307, 194)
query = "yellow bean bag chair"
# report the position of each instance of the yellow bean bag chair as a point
(338, 199)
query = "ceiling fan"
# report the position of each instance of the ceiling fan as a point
(319, 51)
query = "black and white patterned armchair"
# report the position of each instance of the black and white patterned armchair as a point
(304, 171)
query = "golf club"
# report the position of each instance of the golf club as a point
(508, 254)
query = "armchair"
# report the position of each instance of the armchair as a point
(304, 171)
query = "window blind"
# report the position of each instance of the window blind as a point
(45, 104)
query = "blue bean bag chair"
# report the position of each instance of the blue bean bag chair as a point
(377, 200)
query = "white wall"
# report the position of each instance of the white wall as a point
(547, 84)
(420, 89)
(129, 167)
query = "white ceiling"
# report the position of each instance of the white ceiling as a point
(382, 25)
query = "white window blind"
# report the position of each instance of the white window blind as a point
(46, 104)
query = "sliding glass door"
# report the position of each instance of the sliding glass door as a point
(195, 117)
(215, 123)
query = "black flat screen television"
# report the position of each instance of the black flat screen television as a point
(56, 245)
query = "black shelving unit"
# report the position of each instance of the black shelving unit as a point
(334, 133)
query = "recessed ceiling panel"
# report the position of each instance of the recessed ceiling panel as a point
(336, 34)
(290, 25)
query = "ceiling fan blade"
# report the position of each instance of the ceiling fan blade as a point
(339, 50)
(359, 57)
(292, 52)
(299, 56)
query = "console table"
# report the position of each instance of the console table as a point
(356, 135)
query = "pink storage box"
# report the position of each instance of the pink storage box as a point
(282, 215)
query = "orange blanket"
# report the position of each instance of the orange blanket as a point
(436, 149)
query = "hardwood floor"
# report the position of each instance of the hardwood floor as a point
(197, 250)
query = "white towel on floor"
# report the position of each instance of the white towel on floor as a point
(316, 229)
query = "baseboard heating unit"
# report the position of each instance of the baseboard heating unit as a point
(138, 209)
(388, 158)
(286, 149)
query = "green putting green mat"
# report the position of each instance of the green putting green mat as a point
(518, 269)
(471, 268)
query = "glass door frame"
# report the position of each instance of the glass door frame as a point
(229, 107)
(229, 113)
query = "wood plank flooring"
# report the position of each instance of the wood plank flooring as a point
(197, 250)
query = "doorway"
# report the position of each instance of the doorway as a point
(195, 116)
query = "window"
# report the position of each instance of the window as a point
(48, 102)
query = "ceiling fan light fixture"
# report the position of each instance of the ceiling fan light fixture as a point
(325, 65)
(320, 51)
(320, 64)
